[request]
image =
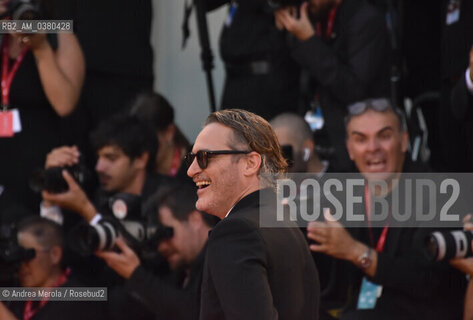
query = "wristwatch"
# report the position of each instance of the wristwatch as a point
(365, 260)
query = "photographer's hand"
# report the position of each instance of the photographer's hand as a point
(124, 263)
(465, 265)
(73, 199)
(36, 42)
(62, 156)
(302, 28)
(334, 240)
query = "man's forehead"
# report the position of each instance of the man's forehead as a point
(27, 239)
(373, 122)
(213, 136)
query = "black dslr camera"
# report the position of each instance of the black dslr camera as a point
(278, 4)
(11, 255)
(51, 179)
(126, 220)
(446, 245)
(23, 10)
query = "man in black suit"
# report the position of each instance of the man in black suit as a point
(250, 272)
(384, 257)
(343, 45)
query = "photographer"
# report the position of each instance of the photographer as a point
(125, 148)
(384, 266)
(260, 74)
(45, 270)
(177, 298)
(344, 46)
(173, 145)
(41, 83)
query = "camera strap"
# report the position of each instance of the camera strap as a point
(330, 23)
(29, 311)
(8, 75)
(384, 233)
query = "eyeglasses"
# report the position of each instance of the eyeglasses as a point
(380, 105)
(204, 155)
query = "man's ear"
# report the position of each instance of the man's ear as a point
(253, 162)
(349, 148)
(404, 141)
(55, 254)
(141, 161)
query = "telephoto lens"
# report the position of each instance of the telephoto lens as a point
(446, 245)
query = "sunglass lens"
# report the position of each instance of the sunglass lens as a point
(202, 159)
(189, 158)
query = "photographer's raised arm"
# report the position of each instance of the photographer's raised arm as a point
(73, 199)
(61, 72)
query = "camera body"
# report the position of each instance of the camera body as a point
(446, 245)
(51, 179)
(127, 221)
(11, 254)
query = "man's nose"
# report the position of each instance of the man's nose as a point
(193, 169)
(100, 165)
(373, 144)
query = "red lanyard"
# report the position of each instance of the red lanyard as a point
(7, 77)
(175, 162)
(384, 233)
(330, 23)
(29, 312)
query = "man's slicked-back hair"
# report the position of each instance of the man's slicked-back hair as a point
(46, 232)
(256, 134)
(130, 134)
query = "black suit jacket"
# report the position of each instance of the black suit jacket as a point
(257, 273)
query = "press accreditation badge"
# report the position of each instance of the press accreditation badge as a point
(453, 12)
(16, 120)
(369, 294)
(6, 124)
(10, 123)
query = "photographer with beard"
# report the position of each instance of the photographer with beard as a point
(125, 148)
(178, 295)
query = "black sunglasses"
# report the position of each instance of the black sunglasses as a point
(204, 155)
(374, 104)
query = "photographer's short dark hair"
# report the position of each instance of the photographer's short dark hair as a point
(130, 134)
(47, 232)
(156, 109)
(180, 199)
